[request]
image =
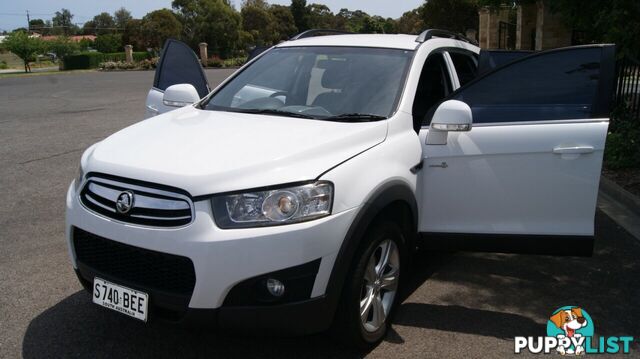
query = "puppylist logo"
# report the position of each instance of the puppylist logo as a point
(570, 331)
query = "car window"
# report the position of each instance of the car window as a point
(466, 67)
(319, 81)
(433, 86)
(553, 86)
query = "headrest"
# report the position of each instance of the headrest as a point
(335, 73)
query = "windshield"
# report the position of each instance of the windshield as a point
(333, 83)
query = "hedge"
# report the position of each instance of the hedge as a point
(120, 56)
(91, 60)
(85, 60)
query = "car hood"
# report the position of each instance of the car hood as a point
(208, 152)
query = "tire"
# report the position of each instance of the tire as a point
(368, 282)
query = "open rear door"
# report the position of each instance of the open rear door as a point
(178, 65)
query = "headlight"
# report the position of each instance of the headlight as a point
(273, 207)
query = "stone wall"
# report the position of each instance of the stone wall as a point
(526, 27)
(489, 26)
(536, 27)
(550, 31)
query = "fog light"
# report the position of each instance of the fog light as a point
(275, 287)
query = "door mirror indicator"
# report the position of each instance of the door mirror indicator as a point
(180, 95)
(451, 115)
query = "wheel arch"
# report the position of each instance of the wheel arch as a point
(395, 200)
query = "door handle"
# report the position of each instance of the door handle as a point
(571, 150)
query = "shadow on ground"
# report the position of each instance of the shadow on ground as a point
(488, 295)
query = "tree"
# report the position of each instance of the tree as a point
(62, 46)
(108, 43)
(62, 22)
(23, 46)
(300, 14)
(453, 15)
(121, 17)
(215, 22)
(284, 25)
(410, 23)
(320, 16)
(258, 21)
(158, 26)
(89, 28)
(40, 26)
(353, 21)
(104, 23)
(133, 35)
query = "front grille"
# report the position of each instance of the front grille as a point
(139, 267)
(150, 206)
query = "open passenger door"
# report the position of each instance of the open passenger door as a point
(519, 169)
(178, 65)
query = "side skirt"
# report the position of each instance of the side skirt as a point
(581, 246)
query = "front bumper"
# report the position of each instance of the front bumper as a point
(224, 258)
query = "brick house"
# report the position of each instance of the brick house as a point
(528, 26)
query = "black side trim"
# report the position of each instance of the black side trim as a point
(300, 318)
(387, 194)
(415, 169)
(605, 91)
(581, 246)
(319, 32)
(298, 282)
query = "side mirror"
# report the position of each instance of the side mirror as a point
(180, 95)
(451, 115)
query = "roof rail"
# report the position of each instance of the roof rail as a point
(319, 32)
(431, 33)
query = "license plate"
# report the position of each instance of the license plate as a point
(121, 299)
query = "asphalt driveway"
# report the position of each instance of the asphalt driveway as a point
(456, 304)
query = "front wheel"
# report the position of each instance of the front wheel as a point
(372, 287)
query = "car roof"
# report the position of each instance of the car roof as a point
(391, 41)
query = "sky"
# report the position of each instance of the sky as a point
(13, 13)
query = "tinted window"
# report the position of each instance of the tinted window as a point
(490, 59)
(466, 67)
(551, 86)
(433, 86)
(179, 65)
(318, 81)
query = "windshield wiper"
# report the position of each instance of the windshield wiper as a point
(267, 111)
(355, 117)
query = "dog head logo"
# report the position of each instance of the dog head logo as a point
(572, 323)
(569, 320)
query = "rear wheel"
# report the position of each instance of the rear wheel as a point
(371, 288)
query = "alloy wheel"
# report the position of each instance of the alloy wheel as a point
(380, 285)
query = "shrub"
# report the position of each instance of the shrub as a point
(215, 61)
(623, 140)
(108, 65)
(121, 56)
(3, 65)
(235, 61)
(86, 60)
(108, 43)
(148, 64)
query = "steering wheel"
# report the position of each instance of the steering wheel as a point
(279, 93)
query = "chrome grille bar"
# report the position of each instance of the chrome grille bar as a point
(151, 206)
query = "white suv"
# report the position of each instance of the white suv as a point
(291, 196)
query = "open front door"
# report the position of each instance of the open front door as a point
(178, 65)
(524, 177)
